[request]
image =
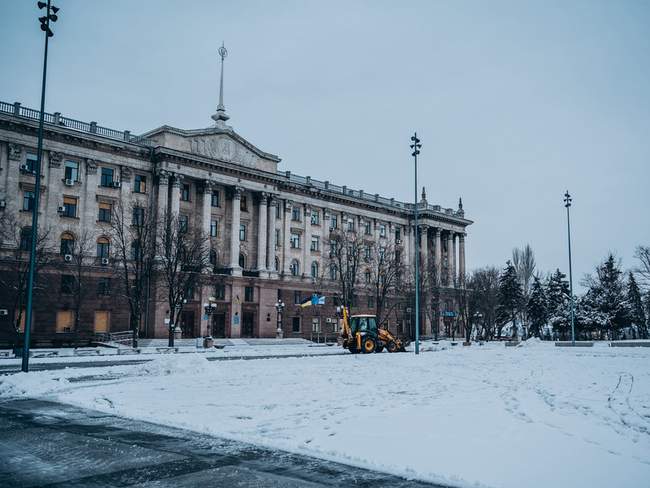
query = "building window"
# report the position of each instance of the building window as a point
(248, 294)
(367, 276)
(69, 207)
(243, 204)
(371, 301)
(314, 269)
(242, 261)
(398, 235)
(315, 324)
(28, 200)
(67, 284)
(104, 212)
(350, 225)
(25, 238)
(214, 199)
(297, 298)
(294, 268)
(107, 177)
(213, 228)
(277, 211)
(136, 250)
(382, 253)
(140, 184)
(315, 243)
(277, 239)
(64, 321)
(104, 287)
(333, 272)
(333, 247)
(220, 292)
(277, 264)
(31, 159)
(366, 252)
(334, 222)
(382, 230)
(213, 257)
(242, 232)
(103, 247)
(295, 324)
(295, 241)
(295, 213)
(315, 217)
(367, 228)
(185, 192)
(183, 224)
(138, 215)
(71, 170)
(102, 320)
(67, 243)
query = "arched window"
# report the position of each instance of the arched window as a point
(25, 238)
(103, 247)
(277, 264)
(213, 257)
(294, 268)
(242, 261)
(67, 243)
(314, 269)
(333, 272)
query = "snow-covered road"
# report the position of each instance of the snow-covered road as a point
(533, 416)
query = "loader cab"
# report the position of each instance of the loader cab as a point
(364, 324)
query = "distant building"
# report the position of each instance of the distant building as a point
(269, 229)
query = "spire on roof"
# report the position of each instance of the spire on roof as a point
(424, 194)
(221, 116)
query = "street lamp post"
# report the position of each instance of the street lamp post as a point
(50, 16)
(279, 306)
(209, 308)
(567, 204)
(416, 150)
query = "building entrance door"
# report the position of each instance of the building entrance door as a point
(188, 324)
(219, 325)
(248, 324)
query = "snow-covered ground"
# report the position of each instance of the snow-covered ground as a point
(531, 416)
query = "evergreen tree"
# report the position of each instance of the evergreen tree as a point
(510, 297)
(537, 308)
(606, 306)
(558, 303)
(637, 313)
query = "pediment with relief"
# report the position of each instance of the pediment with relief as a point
(224, 148)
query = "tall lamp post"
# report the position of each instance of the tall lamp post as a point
(567, 204)
(209, 308)
(416, 150)
(50, 16)
(279, 306)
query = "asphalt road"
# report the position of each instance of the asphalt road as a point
(55, 445)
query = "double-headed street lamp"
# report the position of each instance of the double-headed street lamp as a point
(567, 204)
(50, 16)
(416, 150)
(279, 306)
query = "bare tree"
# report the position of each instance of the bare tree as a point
(183, 255)
(133, 233)
(79, 249)
(485, 296)
(16, 260)
(642, 253)
(524, 262)
(383, 269)
(347, 251)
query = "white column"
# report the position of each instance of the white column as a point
(455, 256)
(234, 232)
(438, 258)
(306, 250)
(286, 256)
(461, 258)
(262, 233)
(450, 259)
(206, 214)
(163, 193)
(270, 255)
(176, 195)
(424, 247)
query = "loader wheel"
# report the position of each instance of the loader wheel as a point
(368, 345)
(391, 346)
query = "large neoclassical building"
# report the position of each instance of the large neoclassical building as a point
(269, 226)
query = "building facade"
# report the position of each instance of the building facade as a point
(268, 228)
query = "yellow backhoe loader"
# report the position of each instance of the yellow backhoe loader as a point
(360, 333)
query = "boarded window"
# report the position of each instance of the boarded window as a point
(64, 321)
(102, 320)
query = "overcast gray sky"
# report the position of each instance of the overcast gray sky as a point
(514, 101)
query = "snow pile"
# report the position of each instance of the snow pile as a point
(30, 384)
(534, 416)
